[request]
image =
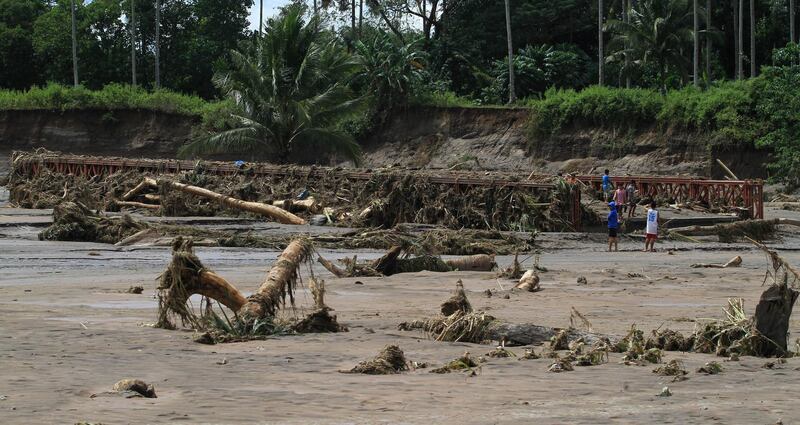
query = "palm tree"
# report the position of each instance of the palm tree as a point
(600, 54)
(158, 44)
(752, 38)
(132, 24)
(74, 45)
(659, 32)
(696, 40)
(512, 93)
(290, 88)
(708, 41)
(791, 21)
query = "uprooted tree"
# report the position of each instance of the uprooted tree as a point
(255, 315)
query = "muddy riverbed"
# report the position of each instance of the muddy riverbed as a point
(68, 330)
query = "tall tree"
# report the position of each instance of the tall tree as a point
(708, 41)
(791, 21)
(19, 67)
(752, 38)
(74, 45)
(658, 33)
(158, 44)
(132, 24)
(735, 38)
(290, 88)
(740, 41)
(512, 94)
(600, 55)
(696, 42)
(626, 17)
(261, 15)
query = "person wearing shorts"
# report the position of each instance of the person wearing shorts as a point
(613, 226)
(651, 231)
(630, 192)
(620, 196)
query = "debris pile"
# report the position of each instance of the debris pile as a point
(386, 198)
(389, 361)
(73, 221)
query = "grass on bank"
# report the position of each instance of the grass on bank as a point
(57, 97)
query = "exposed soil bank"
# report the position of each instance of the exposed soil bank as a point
(118, 132)
(420, 137)
(498, 139)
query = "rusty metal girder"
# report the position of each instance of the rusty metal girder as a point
(744, 193)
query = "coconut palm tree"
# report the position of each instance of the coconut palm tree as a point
(659, 32)
(74, 45)
(290, 88)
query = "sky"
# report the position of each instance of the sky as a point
(270, 9)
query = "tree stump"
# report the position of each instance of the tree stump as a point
(772, 318)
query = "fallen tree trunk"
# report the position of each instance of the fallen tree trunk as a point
(186, 276)
(528, 334)
(136, 190)
(136, 237)
(151, 197)
(733, 262)
(278, 214)
(331, 267)
(279, 283)
(133, 204)
(475, 263)
(715, 230)
(293, 205)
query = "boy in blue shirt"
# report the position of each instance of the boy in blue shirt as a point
(613, 226)
(607, 186)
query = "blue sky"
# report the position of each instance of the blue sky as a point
(270, 8)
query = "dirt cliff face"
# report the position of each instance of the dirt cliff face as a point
(498, 139)
(119, 132)
(420, 137)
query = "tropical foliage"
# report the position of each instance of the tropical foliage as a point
(291, 90)
(659, 32)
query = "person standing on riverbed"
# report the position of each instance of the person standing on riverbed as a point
(651, 231)
(606, 186)
(613, 226)
(631, 196)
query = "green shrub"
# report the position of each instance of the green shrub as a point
(214, 115)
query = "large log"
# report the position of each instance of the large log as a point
(772, 318)
(133, 204)
(714, 230)
(278, 214)
(136, 190)
(529, 333)
(279, 283)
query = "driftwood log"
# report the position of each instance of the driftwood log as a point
(135, 191)
(279, 283)
(528, 333)
(714, 230)
(278, 214)
(733, 262)
(294, 205)
(133, 204)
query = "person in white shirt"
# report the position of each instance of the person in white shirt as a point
(651, 232)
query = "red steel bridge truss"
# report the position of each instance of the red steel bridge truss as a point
(748, 194)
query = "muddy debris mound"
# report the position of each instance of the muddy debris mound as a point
(376, 198)
(73, 221)
(134, 388)
(389, 361)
